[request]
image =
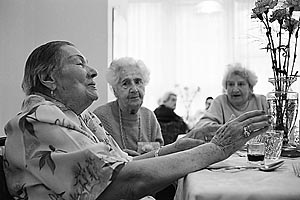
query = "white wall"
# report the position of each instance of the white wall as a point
(25, 25)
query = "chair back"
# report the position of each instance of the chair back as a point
(170, 130)
(4, 194)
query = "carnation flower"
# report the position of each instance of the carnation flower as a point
(282, 33)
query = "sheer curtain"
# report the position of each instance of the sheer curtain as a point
(185, 47)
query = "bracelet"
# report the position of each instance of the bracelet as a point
(156, 152)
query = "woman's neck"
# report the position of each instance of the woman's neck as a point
(243, 106)
(130, 110)
(58, 103)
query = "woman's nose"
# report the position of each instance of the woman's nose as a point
(92, 72)
(133, 88)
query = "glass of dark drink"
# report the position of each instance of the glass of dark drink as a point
(256, 152)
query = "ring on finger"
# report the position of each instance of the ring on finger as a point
(246, 131)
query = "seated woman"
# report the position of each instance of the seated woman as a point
(171, 124)
(125, 118)
(56, 149)
(238, 82)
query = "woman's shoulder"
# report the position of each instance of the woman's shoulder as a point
(222, 98)
(259, 96)
(261, 101)
(32, 101)
(103, 109)
(146, 112)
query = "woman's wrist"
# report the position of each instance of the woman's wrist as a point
(219, 149)
(164, 150)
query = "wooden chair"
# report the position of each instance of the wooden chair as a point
(4, 194)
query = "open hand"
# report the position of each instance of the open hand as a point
(235, 133)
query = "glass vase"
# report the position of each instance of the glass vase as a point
(283, 105)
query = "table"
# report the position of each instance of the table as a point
(250, 184)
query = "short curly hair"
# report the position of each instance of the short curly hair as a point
(117, 65)
(238, 69)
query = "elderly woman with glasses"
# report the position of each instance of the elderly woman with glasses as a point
(125, 118)
(57, 149)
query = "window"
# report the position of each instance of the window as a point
(185, 46)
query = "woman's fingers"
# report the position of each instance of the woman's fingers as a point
(249, 115)
(258, 132)
(261, 118)
(257, 126)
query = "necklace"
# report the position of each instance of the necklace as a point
(123, 135)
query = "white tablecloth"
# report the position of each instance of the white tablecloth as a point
(253, 184)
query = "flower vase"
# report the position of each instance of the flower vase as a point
(283, 105)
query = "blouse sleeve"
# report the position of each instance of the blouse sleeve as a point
(48, 156)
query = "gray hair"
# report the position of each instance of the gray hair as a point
(116, 66)
(166, 97)
(238, 69)
(44, 59)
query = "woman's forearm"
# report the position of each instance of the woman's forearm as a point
(146, 176)
(179, 145)
(142, 177)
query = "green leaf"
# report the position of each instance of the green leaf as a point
(42, 161)
(45, 158)
(50, 163)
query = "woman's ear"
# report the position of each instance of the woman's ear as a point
(115, 93)
(47, 80)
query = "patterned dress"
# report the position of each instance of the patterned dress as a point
(52, 153)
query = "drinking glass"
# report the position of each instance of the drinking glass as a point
(255, 151)
(273, 140)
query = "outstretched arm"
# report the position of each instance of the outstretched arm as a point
(142, 177)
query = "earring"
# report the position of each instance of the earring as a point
(51, 93)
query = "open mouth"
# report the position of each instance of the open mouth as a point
(92, 85)
(236, 95)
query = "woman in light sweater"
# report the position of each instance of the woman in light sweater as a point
(125, 118)
(239, 97)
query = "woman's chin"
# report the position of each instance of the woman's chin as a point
(93, 95)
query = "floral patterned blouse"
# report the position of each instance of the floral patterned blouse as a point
(51, 153)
